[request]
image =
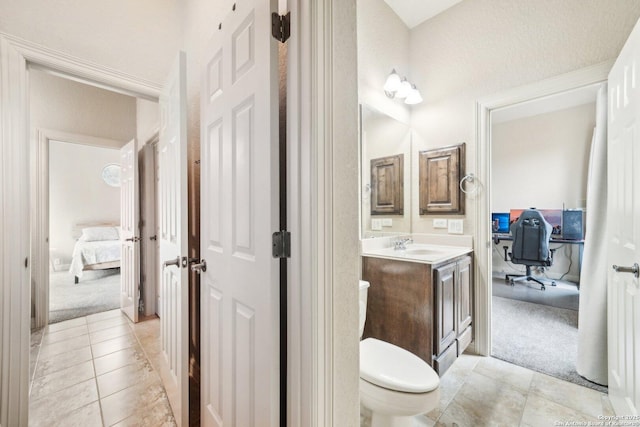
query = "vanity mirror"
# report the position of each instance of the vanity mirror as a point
(385, 147)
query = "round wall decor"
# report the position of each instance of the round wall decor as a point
(111, 174)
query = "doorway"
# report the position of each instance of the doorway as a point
(84, 242)
(78, 129)
(540, 158)
(485, 109)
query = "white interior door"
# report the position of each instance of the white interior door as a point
(623, 234)
(173, 199)
(130, 235)
(239, 212)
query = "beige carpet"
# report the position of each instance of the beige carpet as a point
(539, 337)
(97, 291)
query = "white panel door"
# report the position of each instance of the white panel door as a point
(130, 235)
(623, 234)
(239, 212)
(173, 200)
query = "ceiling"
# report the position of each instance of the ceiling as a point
(415, 12)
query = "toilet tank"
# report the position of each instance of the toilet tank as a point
(364, 289)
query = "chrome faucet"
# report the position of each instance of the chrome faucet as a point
(401, 243)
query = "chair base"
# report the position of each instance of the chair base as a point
(512, 278)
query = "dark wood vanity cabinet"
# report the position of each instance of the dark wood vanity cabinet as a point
(453, 310)
(423, 308)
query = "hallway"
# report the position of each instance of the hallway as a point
(98, 370)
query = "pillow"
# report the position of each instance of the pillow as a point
(93, 234)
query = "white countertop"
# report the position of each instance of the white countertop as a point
(419, 252)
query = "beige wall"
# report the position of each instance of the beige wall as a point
(542, 161)
(67, 106)
(481, 47)
(383, 45)
(77, 193)
(147, 120)
(139, 37)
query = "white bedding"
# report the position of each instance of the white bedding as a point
(96, 252)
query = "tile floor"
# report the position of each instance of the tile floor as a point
(482, 391)
(98, 370)
(101, 370)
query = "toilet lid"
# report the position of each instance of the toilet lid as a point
(394, 368)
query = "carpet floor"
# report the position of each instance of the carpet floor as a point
(97, 291)
(539, 337)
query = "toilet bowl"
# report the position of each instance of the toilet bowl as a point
(395, 384)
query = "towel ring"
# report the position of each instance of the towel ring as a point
(469, 178)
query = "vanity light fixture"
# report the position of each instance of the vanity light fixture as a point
(401, 88)
(414, 96)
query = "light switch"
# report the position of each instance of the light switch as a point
(439, 223)
(376, 224)
(456, 226)
(387, 222)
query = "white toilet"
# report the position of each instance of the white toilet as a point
(395, 384)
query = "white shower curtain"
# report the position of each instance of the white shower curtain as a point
(592, 325)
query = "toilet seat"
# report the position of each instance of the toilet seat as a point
(394, 368)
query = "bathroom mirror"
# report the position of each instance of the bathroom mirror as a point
(383, 137)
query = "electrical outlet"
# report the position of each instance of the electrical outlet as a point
(456, 226)
(387, 222)
(376, 224)
(440, 223)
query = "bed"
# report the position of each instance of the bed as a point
(97, 248)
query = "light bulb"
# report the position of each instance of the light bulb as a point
(414, 96)
(405, 88)
(393, 82)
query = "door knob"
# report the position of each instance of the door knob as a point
(199, 267)
(635, 269)
(132, 239)
(175, 262)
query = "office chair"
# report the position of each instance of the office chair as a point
(531, 234)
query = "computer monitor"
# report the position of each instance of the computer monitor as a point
(553, 217)
(500, 222)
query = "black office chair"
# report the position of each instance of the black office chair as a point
(531, 234)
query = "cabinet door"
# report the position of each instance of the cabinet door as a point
(464, 297)
(387, 185)
(445, 278)
(439, 177)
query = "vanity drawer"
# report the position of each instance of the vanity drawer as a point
(464, 339)
(446, 359)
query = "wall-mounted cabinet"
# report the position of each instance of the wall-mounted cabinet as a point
(440, 172)
(387, 185)
(423, 308)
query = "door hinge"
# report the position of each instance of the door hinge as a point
(281, 244)
(281, 26)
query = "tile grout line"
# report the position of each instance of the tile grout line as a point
(35, 365)
(95, 377)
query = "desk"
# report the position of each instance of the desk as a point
(498, 238)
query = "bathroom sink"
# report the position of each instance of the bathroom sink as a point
(420, 251)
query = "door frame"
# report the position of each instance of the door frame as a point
(39, 173)
(597, 73)
(322, 138)
(149, 248)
